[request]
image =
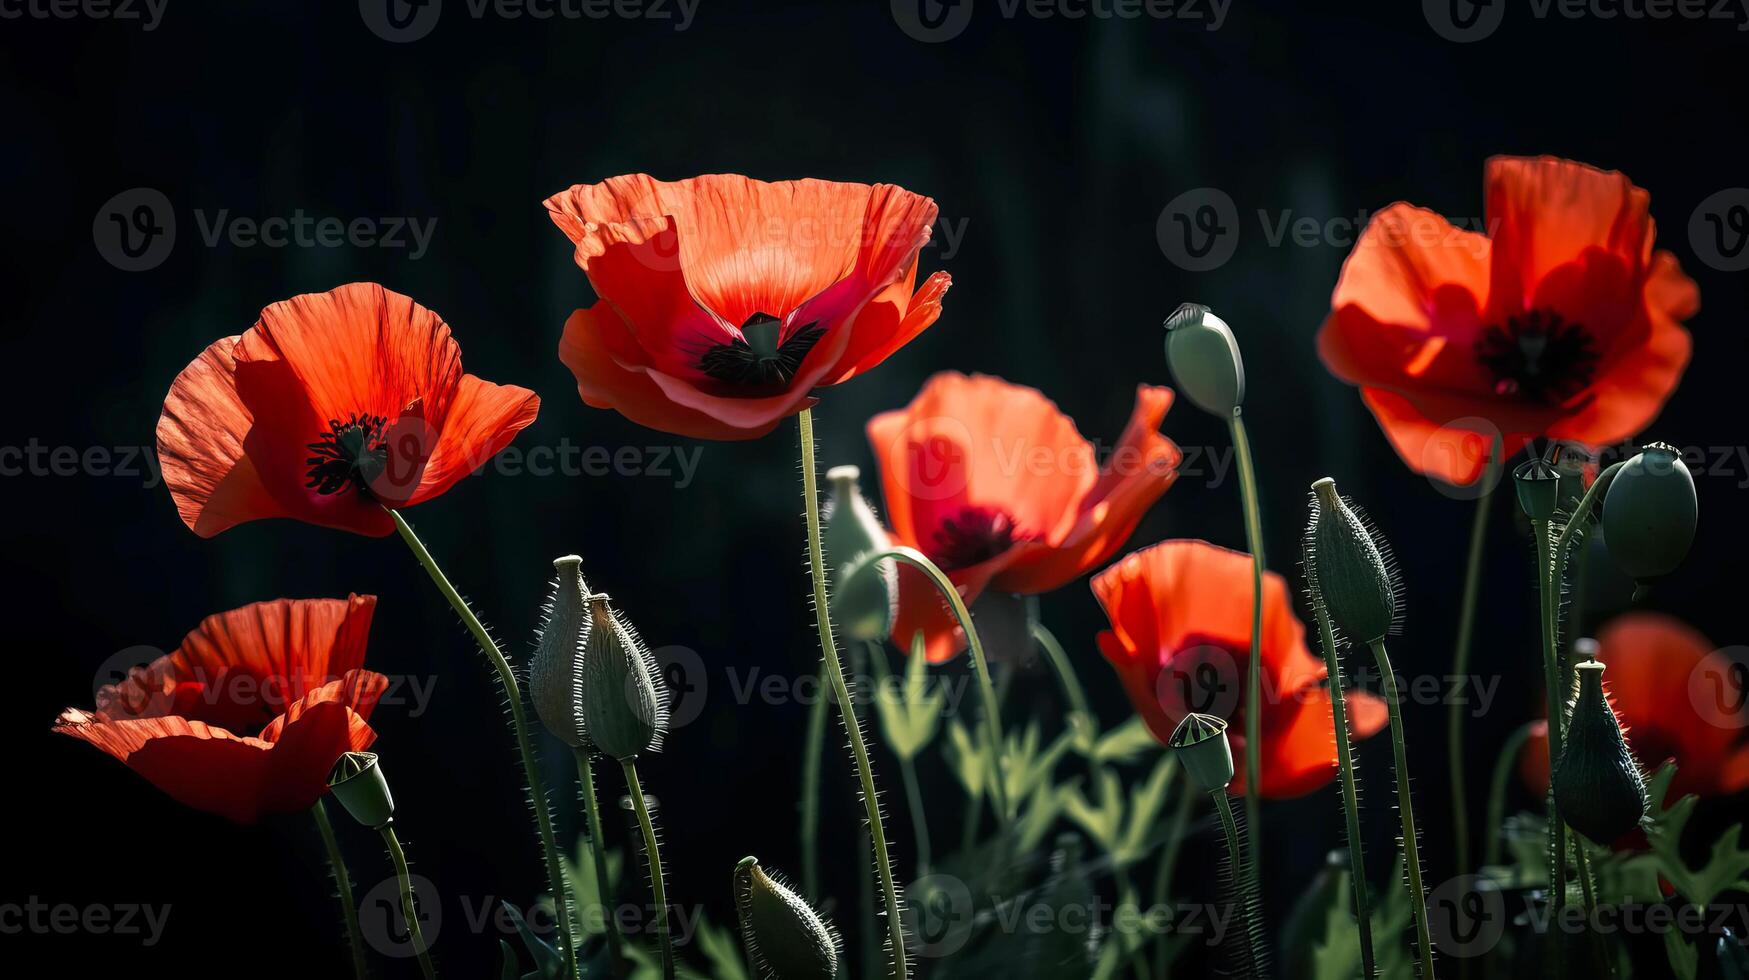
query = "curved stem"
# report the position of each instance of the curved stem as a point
(1236, 854)
(1406, 807)
(1350, 794)
(1253, 676)
(543, 817)
(1169, 863)
(1581, 512)
(1064, 670)
(813, 752)
(1460, 666)
(1497, 790)
(343, 882)
(658, 887)
(409, 908)
(598, 851)
(835, 673)
(1556, 701)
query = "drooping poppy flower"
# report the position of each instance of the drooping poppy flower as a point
(724, 301)
(247, 716)
(1180, 641)
(1562, 321)
(331, 407)
(998, 488)
(1676, 697)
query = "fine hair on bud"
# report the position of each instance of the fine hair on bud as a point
(625, 702)
(1351, 567)
(1597, 781)
(785, 938)
(555, 679)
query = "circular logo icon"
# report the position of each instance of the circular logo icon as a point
(1203, 679)
(1719, 230)
(1718, 688)
(117, 669)
(936, 453)
(1199, 229)
(1463, 21)
(135, 230)
(384, 925)
(1466, 916)
(932, 21)
(688, 683)
(400, 21)
(1463, 445)
(940, 914)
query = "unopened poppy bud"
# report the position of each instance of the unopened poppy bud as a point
(1201, 743)
(555, 678)
(1539, 488)
(784, 937)
(1650, 512)
(1350, 567)
(625, 703)
(1204, 359)
(1597, 782)
(862, 603)
(357, 782)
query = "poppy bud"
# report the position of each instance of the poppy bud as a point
(1350, 567)
(1203, 751)
(785, 938)
(1539, 487)
(1597, 782)
(555, 679)
(357, 782)
(625, 704)
(862, 604)
(1649, 513)
(1204, 359)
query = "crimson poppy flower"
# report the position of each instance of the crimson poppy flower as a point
(1561, 322)
(1180, 641)
(250, 713)
(998, 488)
(1676, 697)
(331, 407)
(725, 301)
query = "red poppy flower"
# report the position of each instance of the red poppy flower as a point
(724, 301)
(998, 488)
(1180, 640)
(1561, 322)
(1676, 697)
(250, 713)
(332, 407)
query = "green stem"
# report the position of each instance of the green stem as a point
(1406, 808)
(658, 888)
(343, 881)
(1236, 855)
(409, 908)
(1253, 676)
(1064, 670)
(518, 723)
(1460, 665)
(812, 753)
(1168, 864)
(1556, 701)
(1581, 512)
(835, 673)
(598, 850)
(1502, 776)
(1350, 793)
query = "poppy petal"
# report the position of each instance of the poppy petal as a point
(1545, 212)
(874, 340)
(482, 420)
(201, 437)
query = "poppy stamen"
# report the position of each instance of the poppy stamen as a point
(971, 536)
(761, 357)
(349, 455)
(1538, 356)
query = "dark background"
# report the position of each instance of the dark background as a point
(1053, 144)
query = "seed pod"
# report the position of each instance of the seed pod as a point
(784, 937)
(1204, 359)
(555, 679)
(358, 783)
(625, 702)
(1351, 567)
(1597, 781)
(863, 603)
(1650, 512)
(1539, 487)
(1203, 751)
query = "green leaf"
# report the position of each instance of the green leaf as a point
(910, 716)
(1146, 802)
(1126, 743)
(509, 967)
(1684, 959)
(1727, 862)
(549, 965)
(721, 951)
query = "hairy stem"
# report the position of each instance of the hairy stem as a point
(1254, 677)
(1556, 699)
(409, 907)
(1236, 855)
(1406, 809)
(813, 752)
(343, 882)
(653, 855)
(598, 850)
(1350, 793)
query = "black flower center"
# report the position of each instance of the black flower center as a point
(1538, 356)
(761, 357)
(972, 535)
(349, 455)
